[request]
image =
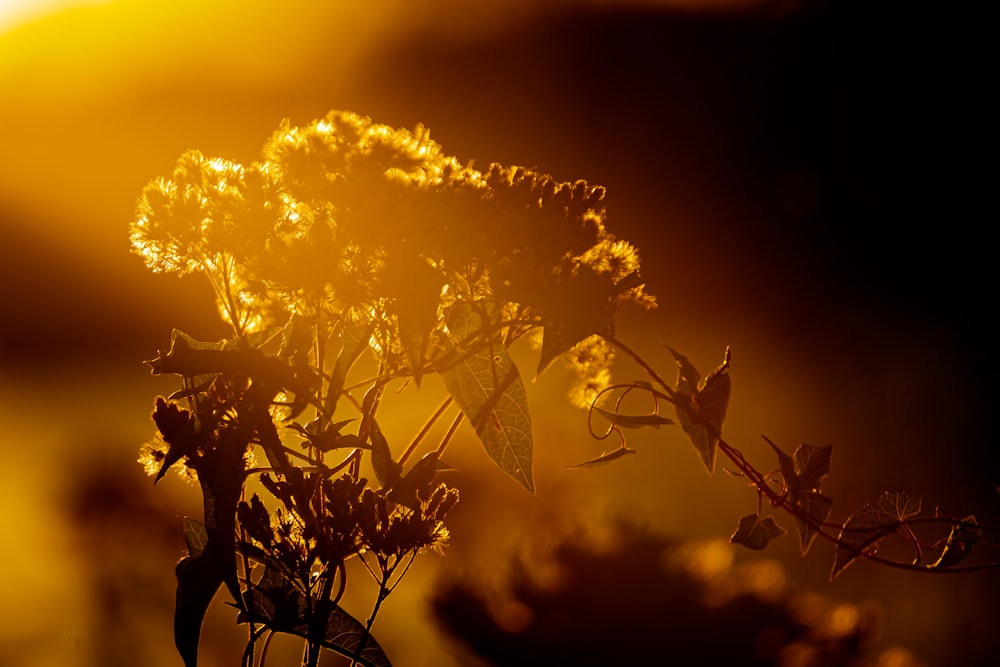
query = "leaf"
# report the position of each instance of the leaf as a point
(414, 288)
(865, 528)
(802, 475)
(701, 407)
(606, 457)
(346, 635)
(275, 600)
(193, 359)
(817, 507)
(487, 387)
(198, 578)
(387, 471)
(177, 428)
(195, 536)
(962, 538)
(416, 483)
(572, 310)
(354, 340)
(812, 464)
(755, 532)
(634, 421)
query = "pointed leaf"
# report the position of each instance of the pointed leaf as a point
(487, 387)
(416, 483)
(817, 507)
(802, 475)
(870, 524)
(573, 310)
(347, 636)
(755, 532)
(387, 471)
(354, 340)
(275, 600)
(195, 535)
(634, 421)
(606, 457)
(193, 359)
(963, 537)
(701, 408)
(785, 462)
(198, 578)
(812, 464)
(177, 428)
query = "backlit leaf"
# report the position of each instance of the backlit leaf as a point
(195, 536)
(194, 359)
(963, 537)
(387, 471)
(177, 428)
(812, 464)
(573, 310)
(817, 507)
(755, 532)
(874, 521)
(346, 635)
(487, 387)
(802, 475)
(606, 457)
(284, 607)
(701, 407)
(354, 340)
(634, 421)
(408, 490)
(414, 288)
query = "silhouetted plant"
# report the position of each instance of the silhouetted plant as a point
(354, 257)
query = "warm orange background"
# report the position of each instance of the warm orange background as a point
(798, 176)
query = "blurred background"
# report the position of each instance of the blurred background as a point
(801, 178)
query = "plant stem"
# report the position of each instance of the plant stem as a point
(423, 431)
(642, 364)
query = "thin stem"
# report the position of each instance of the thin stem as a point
(642, 364)
(426, 428)
(450, 434)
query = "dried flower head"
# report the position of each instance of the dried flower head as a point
(362, 222)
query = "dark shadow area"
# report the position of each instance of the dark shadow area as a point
(647, 600)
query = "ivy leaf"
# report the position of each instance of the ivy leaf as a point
(802, 474)
(701, 406)
(812, 464)
(962, 538)
(606, 457)
(487, 387)
(634, 421)
(865, 528)
(817, 507)
(755, 532)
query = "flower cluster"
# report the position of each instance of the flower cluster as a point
(322, 522)
(355, 221)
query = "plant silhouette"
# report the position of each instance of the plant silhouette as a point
(352, 261)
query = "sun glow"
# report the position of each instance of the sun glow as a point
(15, 13)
